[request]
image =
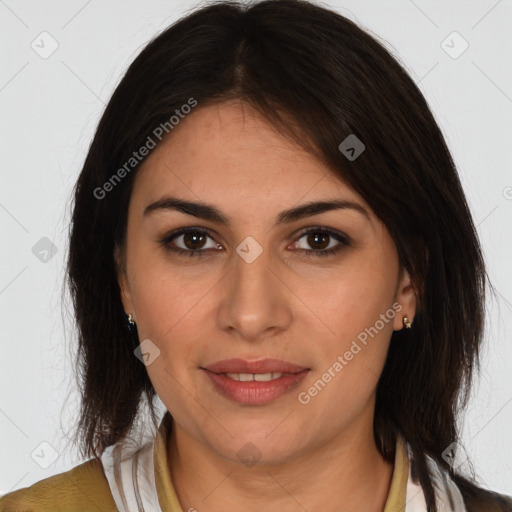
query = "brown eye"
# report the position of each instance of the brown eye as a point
(189, 241)
(320, 240)
(194, 240)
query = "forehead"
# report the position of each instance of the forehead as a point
(230, 152)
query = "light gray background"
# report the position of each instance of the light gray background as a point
(50, 108)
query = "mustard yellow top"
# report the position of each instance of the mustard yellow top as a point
(85, 488)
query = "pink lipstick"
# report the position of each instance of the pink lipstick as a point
(254, 382)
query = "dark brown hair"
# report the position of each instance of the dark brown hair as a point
(320, 78)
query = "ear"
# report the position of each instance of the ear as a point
(406, 294)
(122, 280)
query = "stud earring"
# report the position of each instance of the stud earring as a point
(130, 324)
(407, 323)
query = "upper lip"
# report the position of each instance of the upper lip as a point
(261, 366)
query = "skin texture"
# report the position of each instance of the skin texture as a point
(283, 305)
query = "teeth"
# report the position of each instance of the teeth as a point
(258, 377)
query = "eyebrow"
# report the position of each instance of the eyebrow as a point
(209, 212)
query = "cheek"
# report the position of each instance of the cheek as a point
(357, 322)
(168, 315)
(353, 300)
(346, 378)
(174, 310)
(165, 295)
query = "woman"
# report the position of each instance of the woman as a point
(270, 236)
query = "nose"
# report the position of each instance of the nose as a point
(256, 302)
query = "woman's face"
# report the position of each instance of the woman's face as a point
(258, 289)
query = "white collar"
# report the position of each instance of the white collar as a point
(448, 496)
(130, 472)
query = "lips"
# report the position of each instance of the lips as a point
(262, 366)
(254, 382)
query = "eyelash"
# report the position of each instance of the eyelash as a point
(344, 242)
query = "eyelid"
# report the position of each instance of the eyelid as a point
(343, 239)
(326, 230)
(172, 235)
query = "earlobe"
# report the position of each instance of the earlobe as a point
(406, 296)
(124, 292)
(122, 282)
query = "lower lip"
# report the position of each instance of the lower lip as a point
(253, 392)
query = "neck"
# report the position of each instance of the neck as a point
(345, 474)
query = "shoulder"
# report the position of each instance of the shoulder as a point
(82, 488)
